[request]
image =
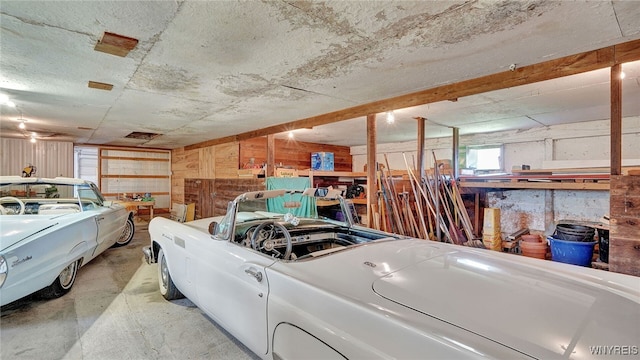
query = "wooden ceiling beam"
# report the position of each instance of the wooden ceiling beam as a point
(552, 69)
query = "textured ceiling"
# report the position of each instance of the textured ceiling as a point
(204, 70)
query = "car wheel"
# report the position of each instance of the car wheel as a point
(167, 288)
(63, 283)
(127, 234)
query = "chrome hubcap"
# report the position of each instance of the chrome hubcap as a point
(67, 275)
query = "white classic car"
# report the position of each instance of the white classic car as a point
(49, 229)
(296, 278)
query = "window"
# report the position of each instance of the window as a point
(488, 157)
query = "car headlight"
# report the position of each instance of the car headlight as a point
(3, 270)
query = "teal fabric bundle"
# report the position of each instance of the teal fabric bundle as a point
(308, 204)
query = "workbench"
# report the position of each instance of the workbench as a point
(135, 205)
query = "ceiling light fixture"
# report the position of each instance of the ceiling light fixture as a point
(290, 134)
(4, 100)
(391, 117)
(33, 140)
(22, 124)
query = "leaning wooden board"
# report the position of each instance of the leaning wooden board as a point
(624, 236)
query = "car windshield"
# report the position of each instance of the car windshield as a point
(45, 196)
(290, 206)
(310, 204)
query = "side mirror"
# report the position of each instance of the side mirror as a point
(213, 228)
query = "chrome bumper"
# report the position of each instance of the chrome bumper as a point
(148, 255)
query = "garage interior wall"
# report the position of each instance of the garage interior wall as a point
(117, 171)
(51, 158)
(584, 144)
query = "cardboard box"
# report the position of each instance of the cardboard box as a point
(322, 161)
(252, 173)
(282, 172)
(491, 223)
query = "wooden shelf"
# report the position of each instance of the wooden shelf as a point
(535, 185)
(355, 174)
(535, 179)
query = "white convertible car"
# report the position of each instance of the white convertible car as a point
(292, 277)
(49, 229)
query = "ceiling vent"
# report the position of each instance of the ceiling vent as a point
(115, 44)
(100, 86)
(142, 135)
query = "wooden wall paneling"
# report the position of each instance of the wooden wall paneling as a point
(624, 235)
(207, 162)
(178, 174)
(191, 193)
(296, 154)
(192, 162)
(226, 190)
(227, 160)
(200, 192)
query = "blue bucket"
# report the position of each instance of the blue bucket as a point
(571, 252)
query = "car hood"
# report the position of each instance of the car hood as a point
(16, 228)
(537, 307)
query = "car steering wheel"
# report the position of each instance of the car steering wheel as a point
(13, 199)
(264, 235)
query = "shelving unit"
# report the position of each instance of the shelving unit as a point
(361, 204)
(538, 180)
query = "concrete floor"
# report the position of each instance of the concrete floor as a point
(114, 311)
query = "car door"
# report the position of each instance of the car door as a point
(233, 288)
(109, 219)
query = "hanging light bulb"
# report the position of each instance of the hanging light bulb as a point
(391, 117)
(22, 125)
(622, 75)
(33, 139)
(290, 134)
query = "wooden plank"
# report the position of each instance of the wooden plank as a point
(146, 150)
(227, 160)
(535, 185)
(100, 85)
(625, 185)
(624, 256)
(372, 188)
(616, 120)
(623, 205)
(135, 176)
(422, 124)
(134, 158)
(271, 155)
(207, 162)
(624, 239)
(153, 193)
(627, 52)
(625, 227)
(575, 177)
(588, 165)
(552, 69)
